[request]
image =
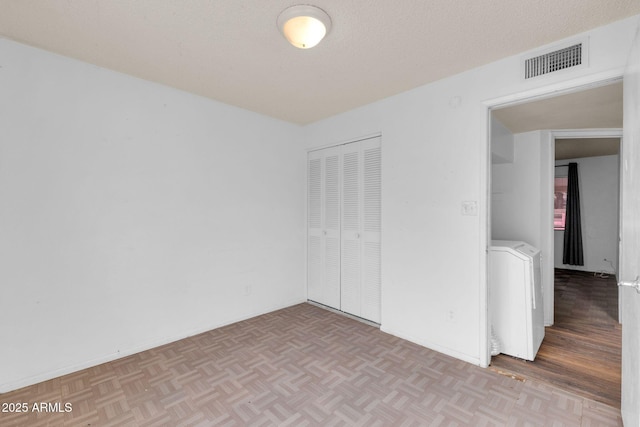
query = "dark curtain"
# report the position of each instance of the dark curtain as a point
(572, 253)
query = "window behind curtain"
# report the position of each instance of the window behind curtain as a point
(560, 202)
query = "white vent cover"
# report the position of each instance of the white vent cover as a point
(557, 60)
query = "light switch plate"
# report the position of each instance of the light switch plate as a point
(470, 207)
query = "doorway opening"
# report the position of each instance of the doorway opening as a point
(527, 141)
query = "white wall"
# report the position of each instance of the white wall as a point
(134, 214)
(521, 206)
(516, 192)
(435, 157)
(599, 201)
(501, 143)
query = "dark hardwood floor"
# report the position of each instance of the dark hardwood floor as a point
(581, 351)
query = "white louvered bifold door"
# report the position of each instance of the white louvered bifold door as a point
(323, 271)
(331, 231)
(371, 228)
(361, 167)
(344, 228)
(351, 228)
(315, 253)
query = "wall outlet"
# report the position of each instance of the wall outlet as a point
(247, 290)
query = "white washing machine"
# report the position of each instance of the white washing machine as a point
(515, 295)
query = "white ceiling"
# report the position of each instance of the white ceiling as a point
(232, 51)
(599, 107)
(586, 147)
(594, 108)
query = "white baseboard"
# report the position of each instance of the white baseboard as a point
(440, 349)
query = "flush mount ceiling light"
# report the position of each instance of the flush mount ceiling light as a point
(304, 25)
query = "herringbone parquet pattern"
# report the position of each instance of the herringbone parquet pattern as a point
(301, 366)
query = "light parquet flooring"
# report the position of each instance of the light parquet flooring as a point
(581, 352)
(300, 366)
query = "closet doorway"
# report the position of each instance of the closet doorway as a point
(344, 228)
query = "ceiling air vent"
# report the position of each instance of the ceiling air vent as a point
(553, 61)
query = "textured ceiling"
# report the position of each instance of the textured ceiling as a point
(231, 50)
(586, 147)
(600, 107)
(595, 108)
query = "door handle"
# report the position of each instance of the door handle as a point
(635, 284)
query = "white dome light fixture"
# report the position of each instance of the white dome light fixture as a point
(304, 25)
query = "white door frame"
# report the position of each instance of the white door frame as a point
(549, 91)
(569, 134)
